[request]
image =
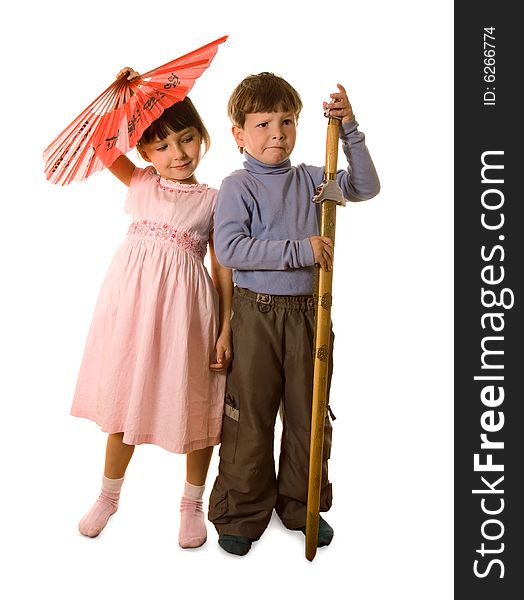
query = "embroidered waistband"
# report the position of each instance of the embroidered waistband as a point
(164, 232)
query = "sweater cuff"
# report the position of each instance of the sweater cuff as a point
(348, 128)
(305, 253)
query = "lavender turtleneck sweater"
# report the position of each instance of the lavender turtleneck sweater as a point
(265, 216)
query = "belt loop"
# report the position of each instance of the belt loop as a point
(264, 302)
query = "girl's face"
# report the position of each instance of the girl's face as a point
(176, 157)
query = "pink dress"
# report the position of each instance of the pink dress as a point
(145, 370)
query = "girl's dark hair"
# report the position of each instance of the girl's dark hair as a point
(265, 92)
(180, 116)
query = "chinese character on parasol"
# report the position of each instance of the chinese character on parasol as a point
(112, 125)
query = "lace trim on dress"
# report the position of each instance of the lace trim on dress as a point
(174, 186)
(164, 232)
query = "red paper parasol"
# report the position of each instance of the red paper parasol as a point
(111, 125)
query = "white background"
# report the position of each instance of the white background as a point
(392, 389)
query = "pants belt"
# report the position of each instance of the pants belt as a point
(266, 301)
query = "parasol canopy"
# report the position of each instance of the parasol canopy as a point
(113, 123)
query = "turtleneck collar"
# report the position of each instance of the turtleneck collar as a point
(253, 165)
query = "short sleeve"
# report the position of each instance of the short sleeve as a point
(138, 179)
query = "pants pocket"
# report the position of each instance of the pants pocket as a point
(228, 445)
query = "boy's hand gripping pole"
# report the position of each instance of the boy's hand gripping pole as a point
(329, 195)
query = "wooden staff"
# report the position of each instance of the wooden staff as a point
(329, 196)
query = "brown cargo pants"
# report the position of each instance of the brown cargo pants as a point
(272, 368)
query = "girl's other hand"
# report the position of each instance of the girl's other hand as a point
(224, 353)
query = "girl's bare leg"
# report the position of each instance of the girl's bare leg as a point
(118, 456)
(197, 465)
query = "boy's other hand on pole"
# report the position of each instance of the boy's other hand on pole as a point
(322, 251)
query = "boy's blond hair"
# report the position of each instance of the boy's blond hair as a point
(265, 92)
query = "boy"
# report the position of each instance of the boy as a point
(266, 228)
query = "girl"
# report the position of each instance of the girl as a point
(159, 346)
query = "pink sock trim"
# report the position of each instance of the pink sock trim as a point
(193, 491)
(112, 485)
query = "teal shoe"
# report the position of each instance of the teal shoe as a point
(234, 544)
(325, 532)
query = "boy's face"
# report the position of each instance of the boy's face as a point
(268, 137)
